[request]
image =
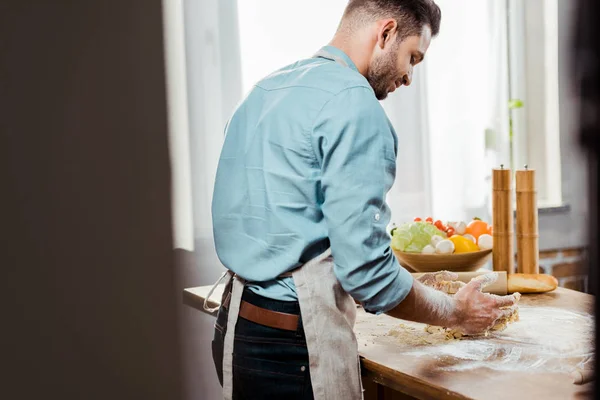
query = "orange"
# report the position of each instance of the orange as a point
(477, 227)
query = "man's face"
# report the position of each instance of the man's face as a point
(392, 66)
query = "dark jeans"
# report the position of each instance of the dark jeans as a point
(268, 363)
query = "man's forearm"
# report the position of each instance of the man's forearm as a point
(426, 305)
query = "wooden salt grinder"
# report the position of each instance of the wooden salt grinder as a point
(527, 223)
(503, 255)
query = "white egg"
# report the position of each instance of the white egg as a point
(470, 237)
(429, 249)
(485, 242)
(435, 239)
(444, 247)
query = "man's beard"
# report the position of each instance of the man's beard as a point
(381, 74)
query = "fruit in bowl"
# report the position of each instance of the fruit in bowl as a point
(426, 246)
(428, 237)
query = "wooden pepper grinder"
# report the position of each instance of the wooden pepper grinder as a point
(503, 255)
(527, 223)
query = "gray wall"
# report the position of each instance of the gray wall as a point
(198, 268)
(88, 278)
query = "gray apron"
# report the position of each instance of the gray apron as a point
(328, 316)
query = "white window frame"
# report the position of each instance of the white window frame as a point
(534, 79)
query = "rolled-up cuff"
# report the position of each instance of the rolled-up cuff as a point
(392, 295)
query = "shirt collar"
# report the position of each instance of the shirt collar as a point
(339, 53)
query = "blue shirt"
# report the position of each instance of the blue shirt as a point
(307, 161)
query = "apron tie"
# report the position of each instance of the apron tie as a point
(212, 289)
(325, 54)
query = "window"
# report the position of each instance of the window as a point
(275, 33)
(454, 122)
(534, 79)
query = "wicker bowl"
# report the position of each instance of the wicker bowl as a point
(461, 262)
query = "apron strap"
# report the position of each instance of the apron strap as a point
(228, 342)
(325, 54)
(212, 289)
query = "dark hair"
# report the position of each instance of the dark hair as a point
(411, 15)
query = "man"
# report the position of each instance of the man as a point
(300, 217)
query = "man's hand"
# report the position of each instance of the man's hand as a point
(469, 310)
(476, 312)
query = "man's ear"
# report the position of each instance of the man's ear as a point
(387, 32)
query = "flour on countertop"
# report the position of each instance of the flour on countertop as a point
(413, 336)
(546, 339)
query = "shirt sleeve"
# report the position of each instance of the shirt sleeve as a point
(355, 148)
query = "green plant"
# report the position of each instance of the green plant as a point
(512, 105)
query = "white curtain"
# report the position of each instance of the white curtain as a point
(466, 77)
(214, 88)
(458, 98)
(276, 33)
(407, 110)
(179, 144)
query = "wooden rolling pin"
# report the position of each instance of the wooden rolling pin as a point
(511, 283)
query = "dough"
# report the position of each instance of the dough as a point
(413, 336)
(514, 317)
(449, 333)
(449, 287)
(456, 334)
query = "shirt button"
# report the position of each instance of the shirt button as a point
(303, 368)
(377, 216)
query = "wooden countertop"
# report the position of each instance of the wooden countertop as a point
(531, 359)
